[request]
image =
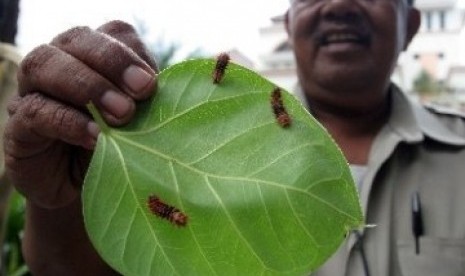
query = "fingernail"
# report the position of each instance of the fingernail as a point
(93, 130)
(137, 79)
(115, 103)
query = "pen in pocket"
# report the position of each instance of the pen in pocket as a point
(417, 221)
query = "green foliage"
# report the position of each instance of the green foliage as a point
(14, 262)
(165, 52)
(260, 199)
(425, 85)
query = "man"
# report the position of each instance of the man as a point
(346, 51)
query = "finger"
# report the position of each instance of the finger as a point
(34, 148)
(61, 76)
(110, 58)
(37, 121)
(125, 33)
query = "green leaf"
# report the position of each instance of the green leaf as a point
(260, 199)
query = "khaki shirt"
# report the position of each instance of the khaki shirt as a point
(419, 150)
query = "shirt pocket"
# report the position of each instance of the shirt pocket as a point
(438, 256)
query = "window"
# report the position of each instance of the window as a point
(429, 20)
(442, 20)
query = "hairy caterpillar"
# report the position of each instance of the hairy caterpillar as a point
(163, 210)
(220, 67)
(282, 117)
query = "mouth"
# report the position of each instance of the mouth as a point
(331, 37)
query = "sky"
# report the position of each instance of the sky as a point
(211, 25)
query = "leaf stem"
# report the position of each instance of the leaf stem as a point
(98, 117)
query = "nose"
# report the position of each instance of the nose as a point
(341, 11)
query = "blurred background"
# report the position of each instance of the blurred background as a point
(432, 70)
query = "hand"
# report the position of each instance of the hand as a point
(50, 135)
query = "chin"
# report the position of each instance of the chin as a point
(346, 80)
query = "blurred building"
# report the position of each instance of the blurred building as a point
(437, 49)
(277, 59)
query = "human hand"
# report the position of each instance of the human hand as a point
(50, 136)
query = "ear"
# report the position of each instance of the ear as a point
(288, 28)
(286, 22)
(413, 24)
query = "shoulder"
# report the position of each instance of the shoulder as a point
(445, 111)
(446, 126)
(453, 119)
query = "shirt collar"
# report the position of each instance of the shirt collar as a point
(411, 121)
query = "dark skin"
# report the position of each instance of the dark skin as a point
(49, 137)
(345, 52)
(345, 81)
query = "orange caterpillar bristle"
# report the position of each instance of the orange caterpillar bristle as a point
(163, 210)
(282, 117)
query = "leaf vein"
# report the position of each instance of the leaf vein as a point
(178, 192)
(184, 90)
(281, 156)
(203, 173)
(175, 117)
(224, 144)
(300, 221)
(233, 224)
(130, 185)
(126, 235)
(100, 169)
(268, 217)
(112, 216)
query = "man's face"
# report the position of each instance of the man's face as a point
(349, 44)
